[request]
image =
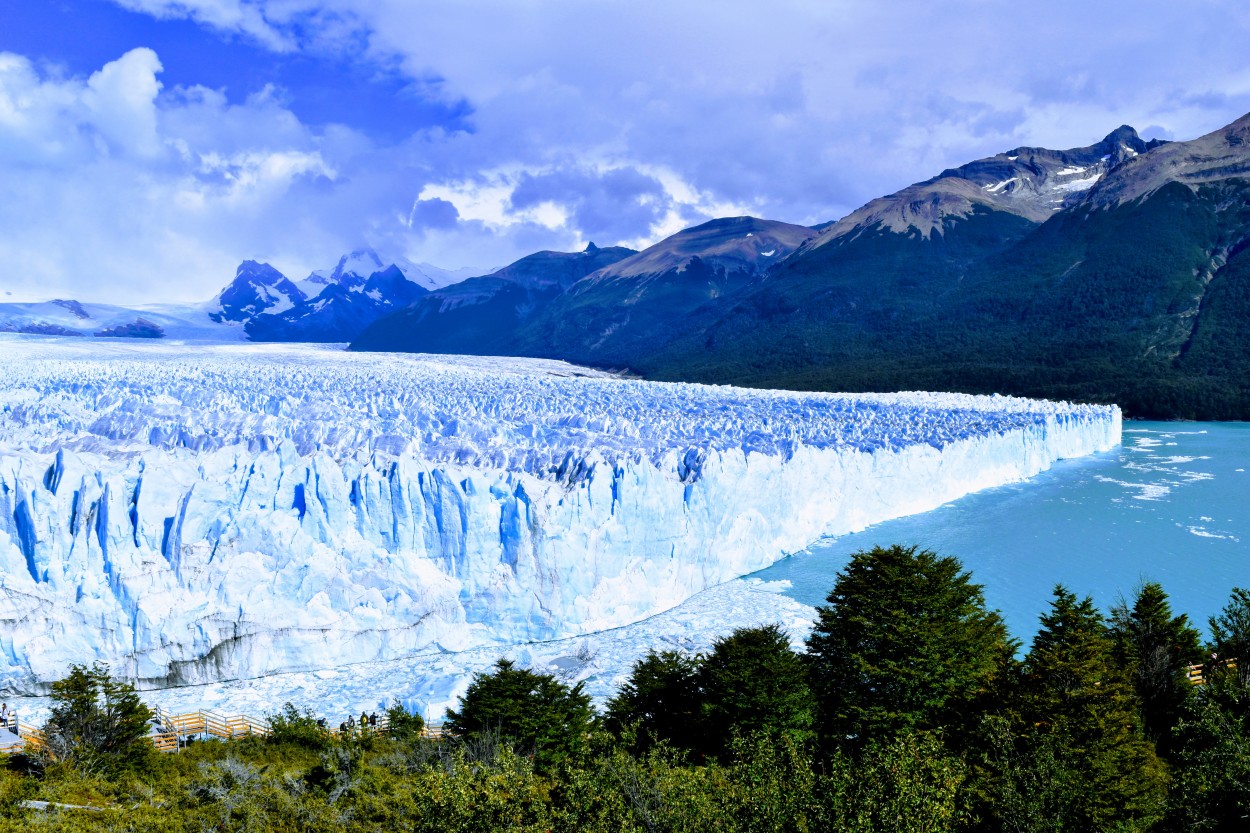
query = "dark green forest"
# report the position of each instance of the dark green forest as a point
(911, 709)
(1145, 305)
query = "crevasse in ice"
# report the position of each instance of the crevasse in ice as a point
(197, 513)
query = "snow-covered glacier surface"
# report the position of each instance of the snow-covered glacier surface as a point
(200, 513)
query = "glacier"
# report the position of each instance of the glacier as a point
(199, 513)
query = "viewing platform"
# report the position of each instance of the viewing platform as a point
(1197, 674)
(172, 732)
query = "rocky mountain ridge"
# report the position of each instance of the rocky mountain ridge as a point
(1030, 182)
(1115, 272)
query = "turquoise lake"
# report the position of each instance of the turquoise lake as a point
(1171, 504)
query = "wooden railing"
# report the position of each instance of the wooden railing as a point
(16, 736)
(1197, 674)
(177, 729)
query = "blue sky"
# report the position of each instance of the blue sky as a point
(147, 146)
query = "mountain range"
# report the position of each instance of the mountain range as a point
(331, 305)
(258, 304)
(561, 304)
(1115, 272)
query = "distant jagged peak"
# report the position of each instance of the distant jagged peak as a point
(1220, 155)
(361, 262)
(736, 244)
(1030, 182)
(259, 273)
(257, 288)
(356, 267)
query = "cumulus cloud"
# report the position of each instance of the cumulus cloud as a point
(110, 191)
(57, 121)
(803, 112)
(614, 121)
(243, 16)
(615, 204)
(121, 100)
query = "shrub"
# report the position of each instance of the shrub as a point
(290, 725)
(536, 713)
(98, 724)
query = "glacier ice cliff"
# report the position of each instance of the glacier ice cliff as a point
(191, 514)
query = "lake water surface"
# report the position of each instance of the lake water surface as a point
(1171, 505)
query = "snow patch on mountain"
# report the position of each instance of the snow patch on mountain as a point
(1072, 186)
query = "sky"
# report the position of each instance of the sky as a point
(149, 146)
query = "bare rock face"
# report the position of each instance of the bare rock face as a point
(732, 244)
(1220, 155)
(1033, 183)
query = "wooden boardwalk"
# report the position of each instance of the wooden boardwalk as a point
(172, 732)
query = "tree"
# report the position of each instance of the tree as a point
(661, 702)
(1230, 632)
(905, 642)
(1084, 709)
(1211, 762)
(290, 725)
(536, 713)
(402, 724)
(97, 723)
(1019, 779)
(906, 784)
(1155, 647)
(752, 682)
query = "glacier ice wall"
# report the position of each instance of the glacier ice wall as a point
(193, 514)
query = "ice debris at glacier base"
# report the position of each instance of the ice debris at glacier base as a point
(191, 514)
(427, 684)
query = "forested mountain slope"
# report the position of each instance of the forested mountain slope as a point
(1112, 273)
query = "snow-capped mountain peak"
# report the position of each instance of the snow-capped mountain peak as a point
(257, 288)
(354, 269)
(361, 263)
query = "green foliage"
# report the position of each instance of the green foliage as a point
(1211, 764)
(660, 702)
(98, 724)
(774, 786)
(904, 643)
(402, 724)
(1053, 744)
(1083, 704)
(1020, 780)
(1230, 632)
(905, 785)
(536, 713)
(752, 682)
(1155, 647)
(289, 725)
